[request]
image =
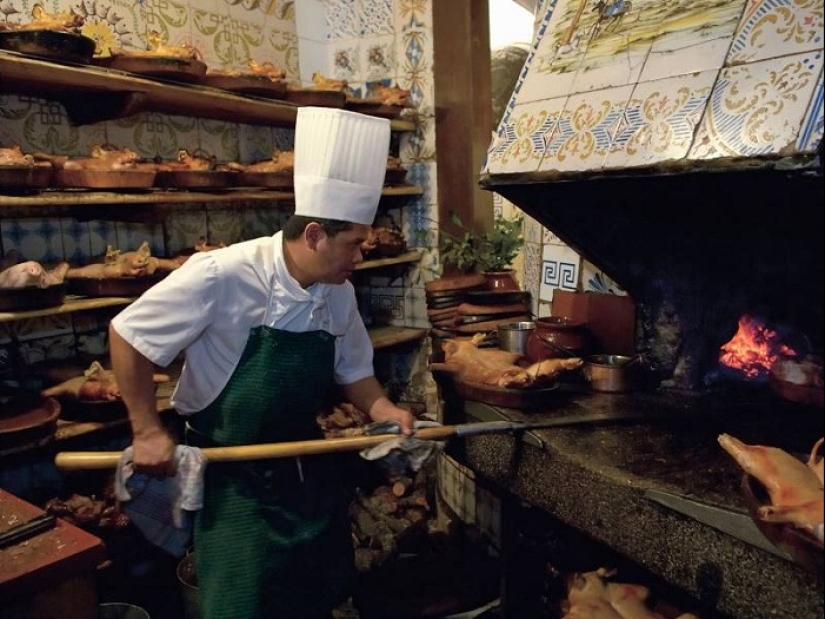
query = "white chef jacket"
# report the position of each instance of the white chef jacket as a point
(207, 307)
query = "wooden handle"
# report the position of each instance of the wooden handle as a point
(86, 460)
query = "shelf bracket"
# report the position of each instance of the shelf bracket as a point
(89, 108)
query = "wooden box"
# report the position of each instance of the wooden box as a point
(611, 319)
(50, 575)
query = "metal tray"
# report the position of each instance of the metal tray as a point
(113, 286)
(173, 68)
(257, 85)
(17, 177)
(506, 398)
(104, 179)
(31, 298)
(55, 45)
(272, 180)
(195, 179)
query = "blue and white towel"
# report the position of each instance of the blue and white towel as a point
(163, 508)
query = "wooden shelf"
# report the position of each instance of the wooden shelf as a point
(81, 304)
(77, 197)
(91, 94)
(384, 337)
(72, 304)
(406, 257)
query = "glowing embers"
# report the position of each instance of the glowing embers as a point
(754, 349)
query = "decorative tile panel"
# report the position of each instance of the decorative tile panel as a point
(812, 126)
(33, 239)
(376, 17)
(772, 28)
(559, 270)
(112, 24)
(758, 108)
(692, 36)
(581, 137)
(521, 143)
(660, 120)
(343, 20)
(378, 59)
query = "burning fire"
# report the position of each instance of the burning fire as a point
(754, 349)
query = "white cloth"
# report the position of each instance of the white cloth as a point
(340, 163)
(208, 306)
(401, 454)
(162, 509)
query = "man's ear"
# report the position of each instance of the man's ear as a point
(313, 234)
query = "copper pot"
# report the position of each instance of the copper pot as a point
(556, 337)
(611, 373)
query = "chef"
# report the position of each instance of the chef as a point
(267, 327)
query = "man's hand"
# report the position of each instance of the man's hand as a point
(154, 454)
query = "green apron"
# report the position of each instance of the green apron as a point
(273, 538)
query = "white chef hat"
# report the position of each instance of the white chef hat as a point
(340, 163)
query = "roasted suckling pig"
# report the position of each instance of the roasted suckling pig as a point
(159, 49)
(794, 487)
(591, 596)
(383, 241)
(322, 82)
(202, 244)
(13, 155)
(43, 20)
(498, 368)
(117, 263)
(101, 159)
(282, 161)
(32, 273)
(96, 384)
(266, 69)
(391, 95)
(187, 161)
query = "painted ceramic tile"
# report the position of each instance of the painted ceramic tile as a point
(758, 108)
(812, 127)
(33, 239)
(183, 229)
(254, 143)
(218, 139)
(594, 280)
(772, 28)
(413, 15)
(692, 36)
(257, 222)
(617, 45)
(376, 17)
(559, 45)
(581, 137)
(343, 20)
(312, 57)
(378, 59)
(413, 71)
(239, 39)
(281, 48)
(40, 125)
(77, 246)
(102, 235)
(310, 20)
(47, 349)
(531, 278)
(171, 20)
(559, 270)
(415, 308)
(42, 326)
(112, 24)
(545, 309)
(660, 120)
(419, 146)
(344, 59)
(130, 236)
(154, 135)
(223, 226)
(520, 145)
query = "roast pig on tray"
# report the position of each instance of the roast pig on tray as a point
(498, 368)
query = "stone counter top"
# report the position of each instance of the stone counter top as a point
(593, 477)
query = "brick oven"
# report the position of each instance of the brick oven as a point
(678, 148)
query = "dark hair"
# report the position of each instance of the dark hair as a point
(296, 224)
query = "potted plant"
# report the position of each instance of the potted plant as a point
(491, 253)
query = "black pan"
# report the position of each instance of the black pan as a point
(53, 45)
(31, 298)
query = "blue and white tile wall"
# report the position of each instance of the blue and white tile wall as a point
(651, 82)
(363, 41)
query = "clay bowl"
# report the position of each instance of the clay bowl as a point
(797, 543)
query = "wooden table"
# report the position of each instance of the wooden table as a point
(50, 575)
